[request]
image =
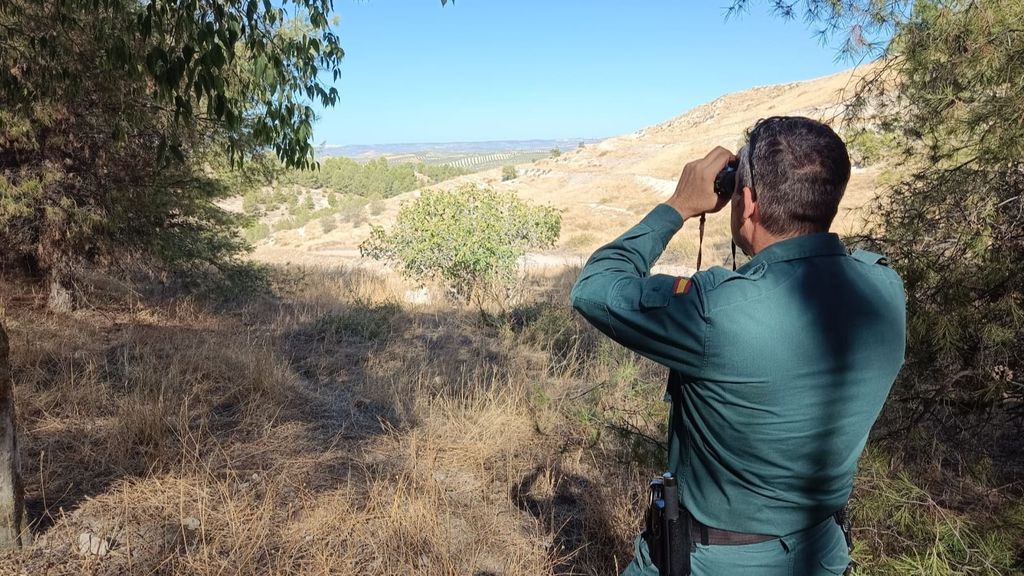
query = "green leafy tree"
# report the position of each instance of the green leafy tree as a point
(869, 147)
(856, 28)
(470, 239)
(954, 223)
(121, 119)
(556, 152)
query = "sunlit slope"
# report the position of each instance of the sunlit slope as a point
(605, 187)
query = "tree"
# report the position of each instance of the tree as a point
(115, 112)
(556, 152)
(470, 239)
(12, 492)
(955, 223)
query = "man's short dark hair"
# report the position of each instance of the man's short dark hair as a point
(798, 169)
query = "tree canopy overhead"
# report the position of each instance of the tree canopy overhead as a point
(250, 65)
(856, 27)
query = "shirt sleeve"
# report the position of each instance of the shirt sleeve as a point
(660, 317)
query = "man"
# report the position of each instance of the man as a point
(778, 370)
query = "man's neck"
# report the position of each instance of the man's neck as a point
(763, 239)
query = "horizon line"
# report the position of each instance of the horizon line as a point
(439, 142)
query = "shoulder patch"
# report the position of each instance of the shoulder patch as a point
(682, 285)
(870, 257)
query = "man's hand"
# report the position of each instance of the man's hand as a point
(695, 192)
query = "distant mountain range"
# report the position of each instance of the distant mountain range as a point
(372, 150)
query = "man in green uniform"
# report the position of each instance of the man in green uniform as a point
(778, 370)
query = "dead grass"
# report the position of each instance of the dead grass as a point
(328, 431)
(337, 430)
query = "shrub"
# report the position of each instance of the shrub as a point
(201, 88)
(327, 223)
(509, 173)
(470, 239)
(257, 232)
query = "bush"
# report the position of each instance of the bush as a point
(257, 232)
(327, 223)
(352, 209)
(470, 239)
(250, 203)
(509, 173)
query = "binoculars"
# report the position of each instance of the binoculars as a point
(725, 181)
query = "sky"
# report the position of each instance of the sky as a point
(415, 71)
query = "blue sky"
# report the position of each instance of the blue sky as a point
(512, 70)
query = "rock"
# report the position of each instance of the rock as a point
(418, 296)
(89, 543)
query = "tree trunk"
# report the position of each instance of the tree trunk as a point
(12, 496)
(60, 299)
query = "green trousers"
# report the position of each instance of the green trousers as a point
(816, 551)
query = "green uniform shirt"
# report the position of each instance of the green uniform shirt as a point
(784, 363)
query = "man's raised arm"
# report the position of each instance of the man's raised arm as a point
(658, 316)
(661, 317)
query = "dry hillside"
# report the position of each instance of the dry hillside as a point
(606, 187)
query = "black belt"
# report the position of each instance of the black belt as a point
(707, 535)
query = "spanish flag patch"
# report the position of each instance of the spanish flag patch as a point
(682, 286)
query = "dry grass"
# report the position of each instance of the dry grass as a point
(336, 429)
(330, 431)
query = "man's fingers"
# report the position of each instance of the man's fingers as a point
(718, 158)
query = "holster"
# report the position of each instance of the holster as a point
(667, 528)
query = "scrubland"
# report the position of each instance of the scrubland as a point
(331, 427)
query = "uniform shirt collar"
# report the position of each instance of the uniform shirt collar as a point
(804, 246)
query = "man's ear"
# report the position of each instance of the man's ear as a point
(749, 203)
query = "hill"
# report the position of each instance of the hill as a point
(605, 187)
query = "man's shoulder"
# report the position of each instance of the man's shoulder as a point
(868, 257)
(715, 277)
(718, 285)
(875, 266)
(721, 286)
